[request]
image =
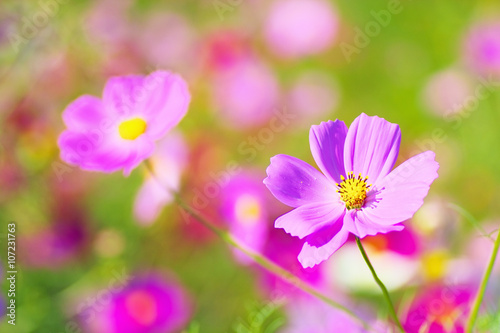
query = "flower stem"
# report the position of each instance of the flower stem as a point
(482, 287)
(264, 262)
(392, 311)
(259, 259)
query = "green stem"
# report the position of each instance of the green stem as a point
(482, 287)
(264, 262)
(259, 259)
(392, 311)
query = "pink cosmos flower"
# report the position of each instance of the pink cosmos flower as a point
(119, 131)
(297, 28)
(148, 304)
(357, 192)
(168, 162)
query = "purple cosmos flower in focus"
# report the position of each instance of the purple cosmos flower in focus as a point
(148, 304)
(119, 131)
(357, 192)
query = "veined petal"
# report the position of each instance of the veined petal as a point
(327, 147)
(296, 183)
(371, 147)
(322, 244)
(396, 197)
(360, 225)
(309, 218)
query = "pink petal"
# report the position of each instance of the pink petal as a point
(371, 147)
(122, 95)
(327, 146)
(360, 225)
(84, 114)
(296, 183)
(398, 196)
(166, 102)
(149, 201)
(321, 245)
(309, 218)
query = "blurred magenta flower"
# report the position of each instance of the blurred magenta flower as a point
(168, 162)
(297, 28)
(148, 304)
(357, 192)
(482, 48)
(119, 131)
(243, 207)
(245, 94)
(439, 309)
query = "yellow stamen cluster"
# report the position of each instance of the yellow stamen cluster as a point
(131, 129)
(353, 190)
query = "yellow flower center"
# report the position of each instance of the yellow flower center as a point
(131, 129)
(353, 190)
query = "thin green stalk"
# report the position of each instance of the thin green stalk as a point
(482, 287)
(259, 259)
(264, 262)
(392, 311)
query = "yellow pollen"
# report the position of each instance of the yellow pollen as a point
(352, 190)
(131, 129)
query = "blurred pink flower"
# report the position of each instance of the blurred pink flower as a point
(243, 207)
(482, 48)
(168, 162)
(446, 92)
(439, 309)
(148, 304)
(307, 314)
(245, 94)
(119, 131)
(312, 96)
(358, 192)
(297, 28)
(168, 40)
(224, 49)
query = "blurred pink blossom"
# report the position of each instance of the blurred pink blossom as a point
(245, 94)
(482, 48)
(297, 28)
(168, 163)
(447, 91)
